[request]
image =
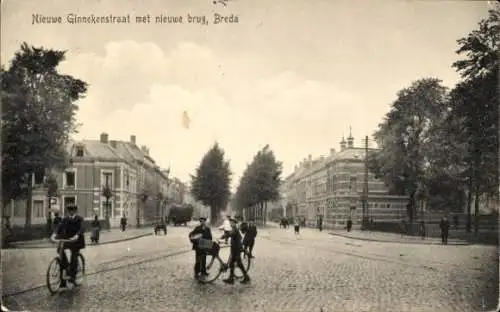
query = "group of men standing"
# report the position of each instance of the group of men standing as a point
(232, 231)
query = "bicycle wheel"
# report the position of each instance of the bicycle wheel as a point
(245, 259)
(80, 271)
(54, 275)
(214, 268)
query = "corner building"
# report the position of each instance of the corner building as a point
(331, 188)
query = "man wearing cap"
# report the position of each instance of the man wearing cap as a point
(235, 257)
(70, 228)
(203, 231)
(249, 239)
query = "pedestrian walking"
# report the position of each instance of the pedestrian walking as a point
(320, 224)
(349, 225)
(249, 238)
(235, 256)
(296, 227)
(96, 230)
(422, 229)
(226, 227)
(445, 227)
(123, 223)
(404, 227)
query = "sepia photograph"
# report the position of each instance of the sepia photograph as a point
(249, 155)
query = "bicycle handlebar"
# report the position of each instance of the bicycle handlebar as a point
(62, 240)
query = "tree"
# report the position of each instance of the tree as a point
(211, 183)
(38, 116)
(401, 161)
(475, 105)
(260, 182)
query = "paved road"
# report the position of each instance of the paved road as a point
(314, 272)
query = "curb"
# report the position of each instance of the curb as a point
(13, 246)
(399, 242)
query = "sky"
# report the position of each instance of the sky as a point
(292, 74)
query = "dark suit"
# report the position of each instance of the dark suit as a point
(236, 247)
(445, 227)
(69, 227)
(249, 239)
(200, 256)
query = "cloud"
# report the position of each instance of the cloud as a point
(136, 88)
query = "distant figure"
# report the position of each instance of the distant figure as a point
(455, 221)
(123, 223)
(96, 229)
(320, 224)
(349, 225)
(371, 223)
(422, 229)
(57, 220)
(445, 227)
(404, 227)
(296, 227)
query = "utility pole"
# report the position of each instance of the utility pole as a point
(365, 188)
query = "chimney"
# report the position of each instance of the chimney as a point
(104, 138)
(145, 150)
(132, 139)
(113, 143)
(310, 157)
(332, 151)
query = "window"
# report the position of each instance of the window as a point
(108, 179)
(107, 208)
(38, 176)
(38, 211)
(79, 151)
(69, 179)
(69, 201)
(388, 205)
(353, 185)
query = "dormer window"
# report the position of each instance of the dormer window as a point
(79, 151)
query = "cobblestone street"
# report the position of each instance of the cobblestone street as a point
(315, 272)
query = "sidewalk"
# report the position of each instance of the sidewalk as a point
(393, 238)
(113, 236)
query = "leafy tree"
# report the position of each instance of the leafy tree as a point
(211, 183)
(475, 104)
(402, 162)
(38, 116)
(260, 182)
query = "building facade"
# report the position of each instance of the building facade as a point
(330, 188)
(119, 166)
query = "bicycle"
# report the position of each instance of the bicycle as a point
(213, 260)
(54, 270)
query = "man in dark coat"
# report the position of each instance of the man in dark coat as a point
(250, 232)
(445, 227)
(235, 257)
(71, 227)
(123, 223)
(200, 265)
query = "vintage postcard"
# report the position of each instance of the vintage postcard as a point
(249, 155)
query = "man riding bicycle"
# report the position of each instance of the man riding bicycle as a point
(70, 228)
